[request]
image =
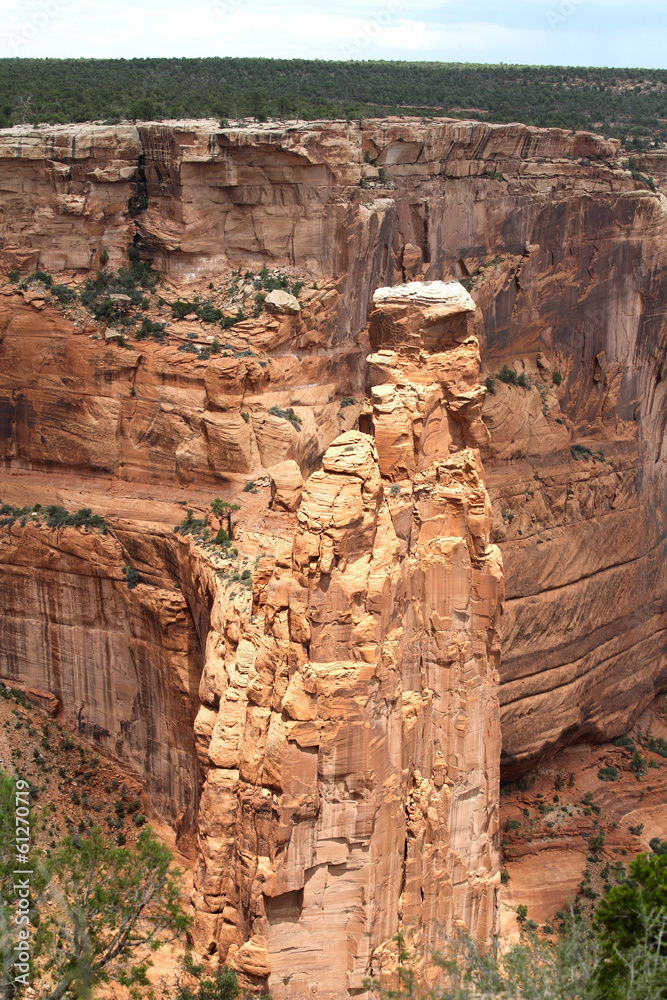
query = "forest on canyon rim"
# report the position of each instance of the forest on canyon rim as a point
(630, 104)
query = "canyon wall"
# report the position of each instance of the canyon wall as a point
(564, 252)
(124, 663)
(346, 723)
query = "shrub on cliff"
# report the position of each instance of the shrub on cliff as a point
(131, 576)
(150, 328)
(608, 773)
(271, 282)
(508, 375)
(182, 308)
(224, 985)
(41, 276)
(106, 902)
(287, 414)
(631, 928)
(207, 313)
(133, 281)
(57, 517)
(64, 294)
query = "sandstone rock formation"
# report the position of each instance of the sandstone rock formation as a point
(282, 302)
(564, 250)
(354, 732)
(363, 597)
(122, 665)
(286, 485)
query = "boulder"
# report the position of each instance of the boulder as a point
(45, 700)
(286, 485)
(280, 301)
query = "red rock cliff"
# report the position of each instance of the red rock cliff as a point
(566, 254)
(380, 609)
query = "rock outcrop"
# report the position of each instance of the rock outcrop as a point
(564, 251)
(351, 728)
(286, 485)
(120, 665)
(346, 712)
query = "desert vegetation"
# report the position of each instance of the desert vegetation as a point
(627, 103)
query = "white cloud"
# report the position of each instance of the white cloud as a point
(595, 32)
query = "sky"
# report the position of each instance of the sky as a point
(630, 33)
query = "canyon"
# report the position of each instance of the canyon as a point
(448, 459)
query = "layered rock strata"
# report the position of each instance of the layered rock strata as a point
(564, 250)
(350, 727)
(121, 665)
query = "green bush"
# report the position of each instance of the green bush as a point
(288, 414)
(40, 276)
(625, 741)
(131, 576)
(638, 764)
(133, 281)
(207, 313)
(14, 277)
(631, 926)
(150, 328)
(57, 517)
(64, 294)
(223, 986)
(182, 308)
(508, 375)
(608, 774)
(658, 745)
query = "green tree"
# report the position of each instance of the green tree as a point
(107, 902)
(221, 507)
(631, 923)
(258, 108)
(223, 986)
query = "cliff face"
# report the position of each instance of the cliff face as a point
(351, 727)
(123, 663)
(566, 257)
(346, 719)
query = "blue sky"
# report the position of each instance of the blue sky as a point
(570, 32)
